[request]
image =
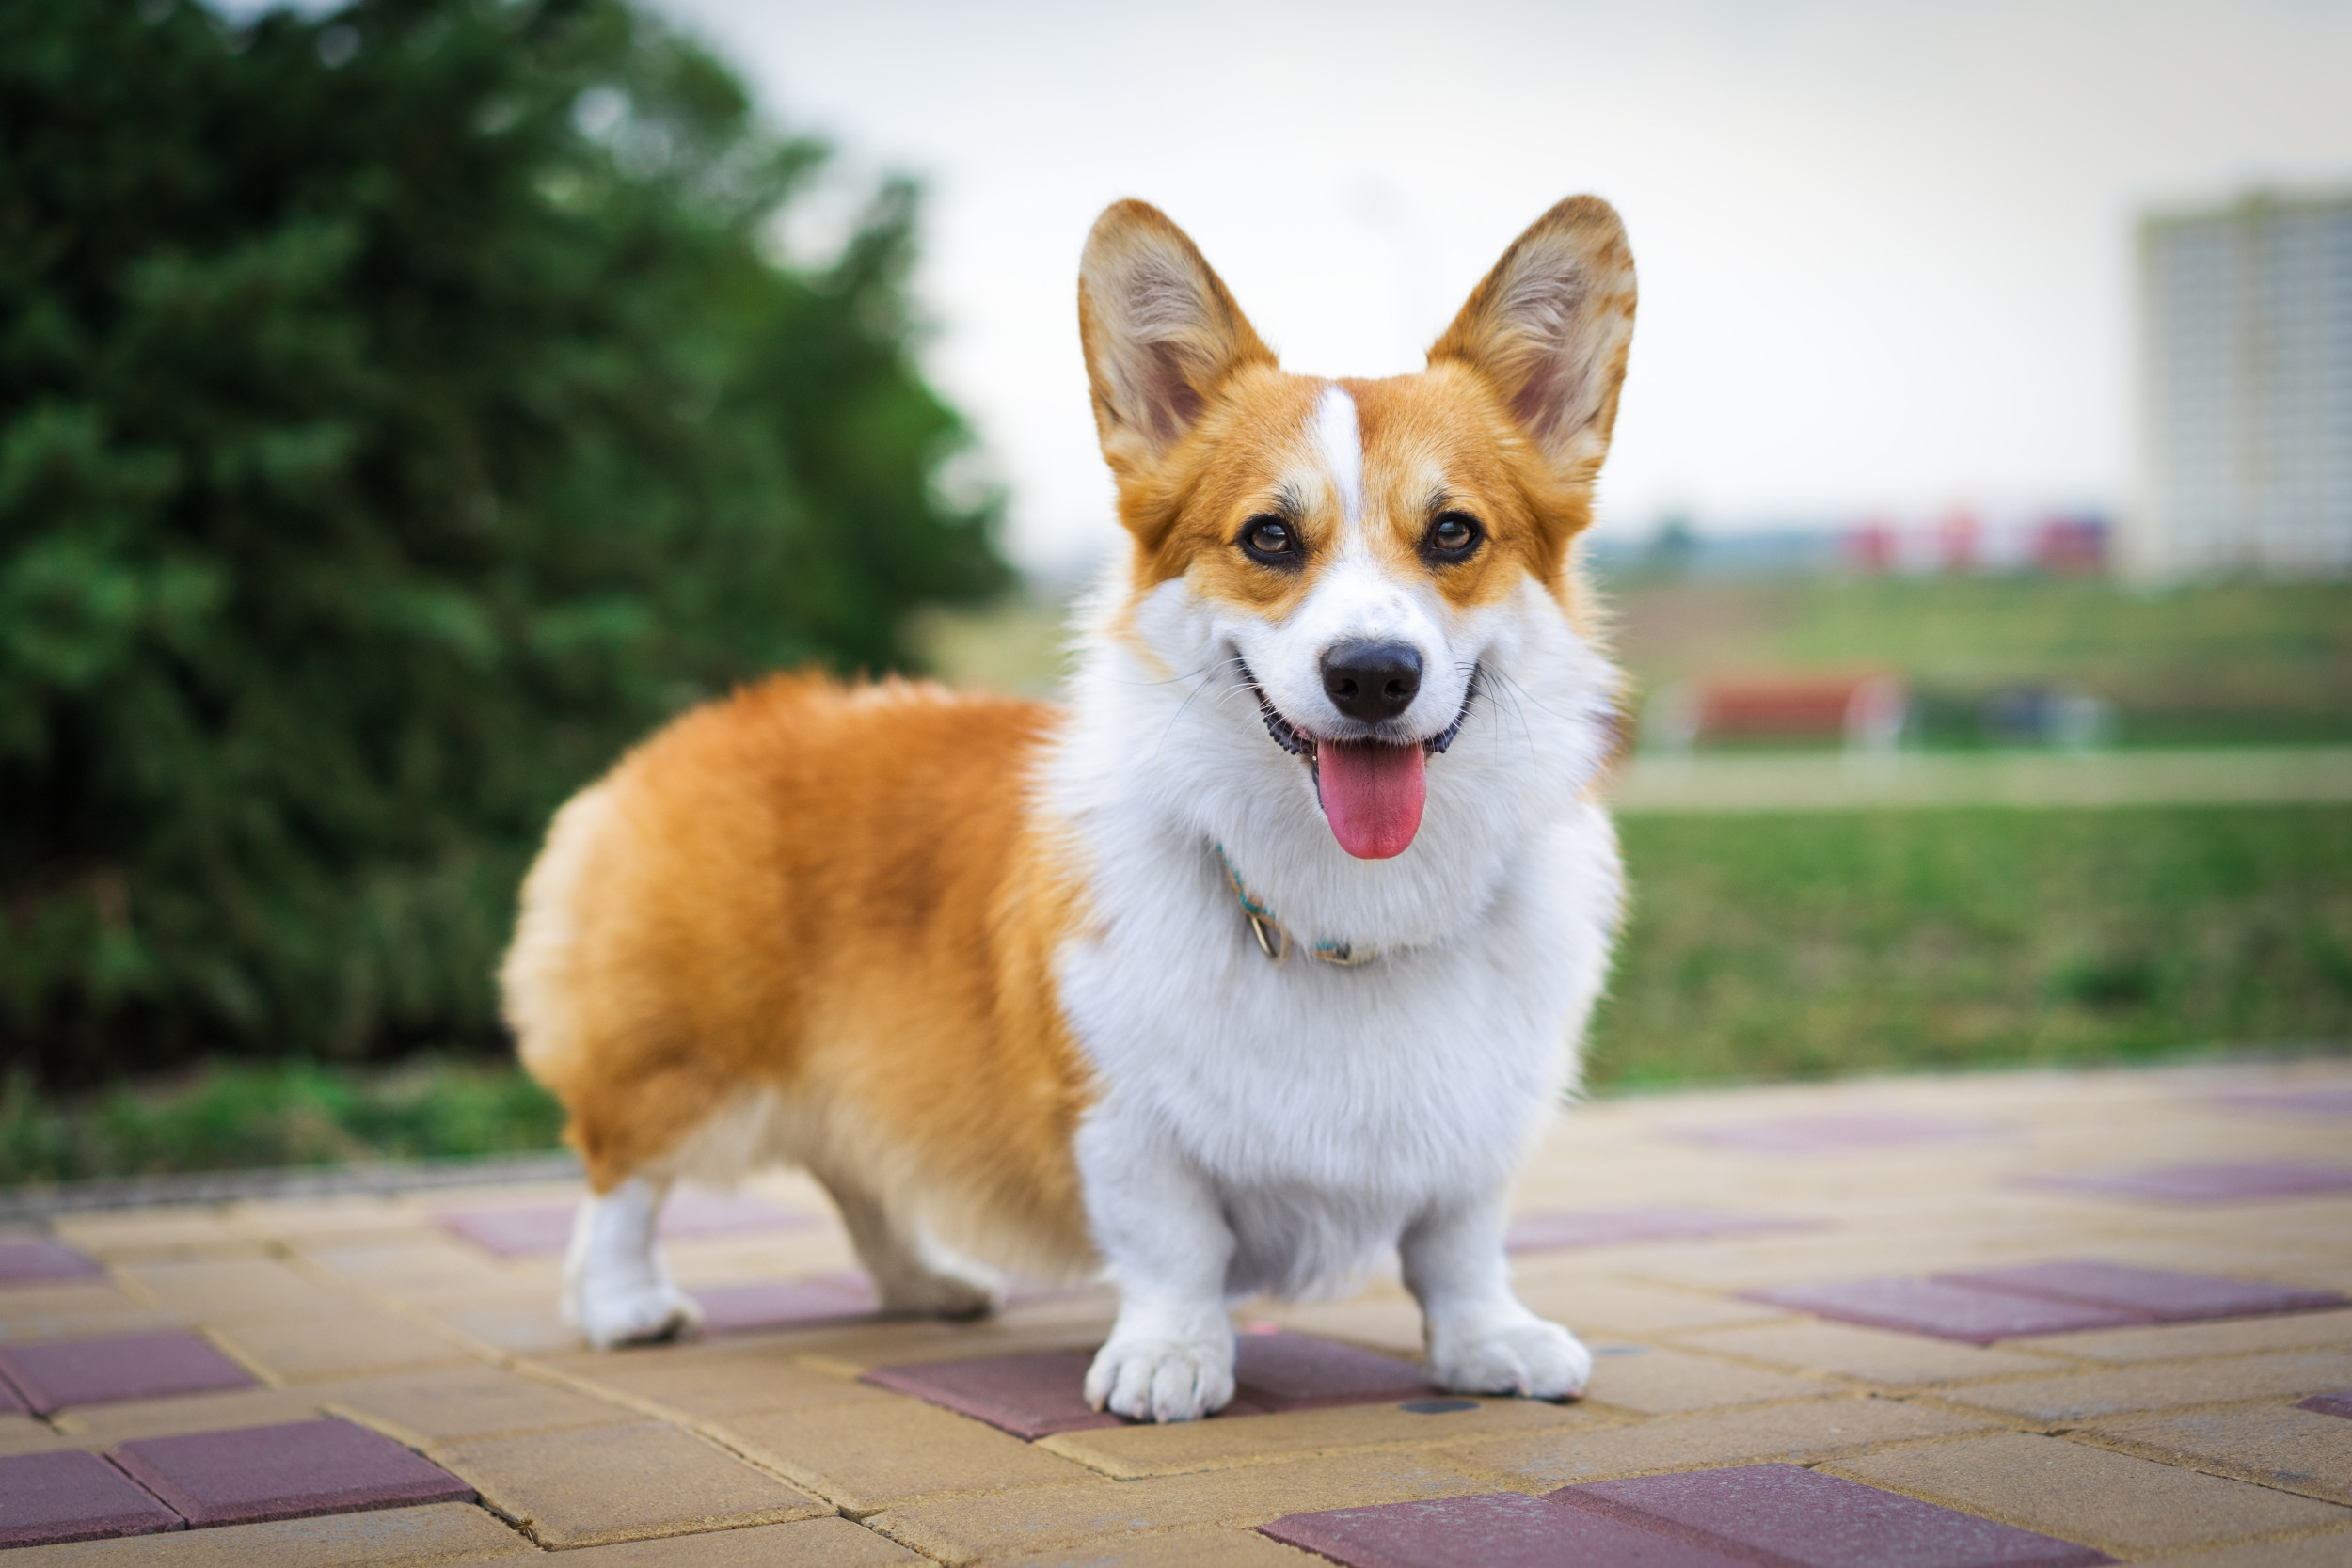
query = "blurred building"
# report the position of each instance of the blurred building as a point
(2246, 396)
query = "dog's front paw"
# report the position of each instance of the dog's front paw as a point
(1528, 1358)
(638, 1314)
(1162, 1379)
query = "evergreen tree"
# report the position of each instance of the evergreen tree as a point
(400, 411)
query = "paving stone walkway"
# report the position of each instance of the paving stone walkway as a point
(2045, 1318)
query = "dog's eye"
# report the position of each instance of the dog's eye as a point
(1454, 535)
(1270, 542)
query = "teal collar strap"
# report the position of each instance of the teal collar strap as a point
(1274, 938)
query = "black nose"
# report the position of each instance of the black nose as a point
(1366, 679)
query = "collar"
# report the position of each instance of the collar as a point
(1274, 938)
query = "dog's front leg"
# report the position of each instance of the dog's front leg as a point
(1157, 1220)
(1481, 1338)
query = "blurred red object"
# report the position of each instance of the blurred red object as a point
(1866, 709)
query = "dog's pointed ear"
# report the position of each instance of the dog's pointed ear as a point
(1161, 332)
(1549, 328)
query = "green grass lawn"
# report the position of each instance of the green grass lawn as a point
(1805, 945)
(1759, 946)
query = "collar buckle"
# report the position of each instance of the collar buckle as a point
(1274, 938)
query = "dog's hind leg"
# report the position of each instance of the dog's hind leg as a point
(616, 1289)
(909, 1276)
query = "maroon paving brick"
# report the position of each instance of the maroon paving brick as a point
(285, 1472)
(1557, 1229)
(1786, 1515)
(2239, 1182)
(1033, 1394)
(1029, 1395)
(60, 1373)
(29, 1260)
(1298, 1371)
(1495, 1529)
(2163, 1294)
(2336, 1403)
(542, 1227)
(781, 1303)
(1947, 1310)
(1829, 1133)
(67, 1494)
(2326, 1104)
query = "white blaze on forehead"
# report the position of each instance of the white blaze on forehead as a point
(1342, 443)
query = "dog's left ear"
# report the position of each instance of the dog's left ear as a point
(1549, 328)
(1161, 331)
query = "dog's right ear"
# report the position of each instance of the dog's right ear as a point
(1161, 333)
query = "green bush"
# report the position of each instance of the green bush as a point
(400, 411)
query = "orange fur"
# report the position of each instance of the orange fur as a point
(833, 893)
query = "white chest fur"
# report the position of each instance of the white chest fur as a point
(1328, 1106)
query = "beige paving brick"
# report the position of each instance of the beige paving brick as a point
(23, 1435)
(2113, 1501)
(2182, 1341)
(2277, 1445)
(515, 1323)
(329, 1220)
(700, 1380)
(621, 1483)
(154, 1234)
(1182, 1548)
(393, 1538)
(867, 1457)
(1759, 1265)
(1129, 1451)
(1591, 1306)
(1791, 1433)
(1868, 1355)
(965, 1529)
(102, 1426)
(854, 1350)
(805, 1544)
(1386, 1322)
(2333, 1549)
(464, 1403)
(1660, 1382)
(84, 1310)
(405, 1267)
(231, 1286)
(349, 1341)
(2241, 1256)
(2068, 1399)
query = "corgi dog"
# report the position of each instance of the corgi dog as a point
(1257, 963)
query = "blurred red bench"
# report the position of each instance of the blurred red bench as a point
(1863, 709)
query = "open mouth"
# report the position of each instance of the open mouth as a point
(1372, 791)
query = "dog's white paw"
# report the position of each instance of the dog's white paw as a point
(1528, 1358)
(1162, 1379)
(638, 1314)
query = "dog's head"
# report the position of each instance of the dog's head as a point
(1364, 559)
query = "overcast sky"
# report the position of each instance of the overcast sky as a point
(1884, 248)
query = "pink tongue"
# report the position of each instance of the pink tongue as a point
(1372, 795)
